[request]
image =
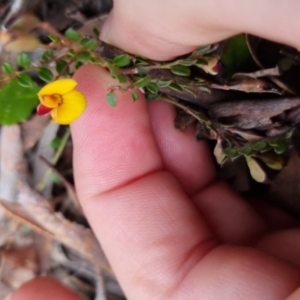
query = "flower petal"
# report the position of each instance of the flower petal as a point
(51, 101)
(74, 104)
(43, 110)
(61, 87)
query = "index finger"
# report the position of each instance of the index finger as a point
(140, 212)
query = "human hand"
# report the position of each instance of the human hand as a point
(169, 229)
(163, 30)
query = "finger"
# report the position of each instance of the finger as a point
(113, 146)
(163, 31)
(146, 224)
(274, 217)
(284, 244)
(231, 218)
(46, 289)
(188, 160)
(129, 147)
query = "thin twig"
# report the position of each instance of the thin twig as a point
(41, 185)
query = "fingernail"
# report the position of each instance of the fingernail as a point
(106, 34)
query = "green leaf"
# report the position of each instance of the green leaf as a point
(141, 60)
(134, 96)
(247, 150)
(181, 70)
(55, 178)
(96, 32)
(62, 67)
(55, 143)
(89, 44)
(111, 99)
(8, 68)
(116, 73)
(142, 82)
(122, 60)
(187, 62)
(45, 74)
(259, 146)
(203, 49)
(236, 56)
(142, 72)
(281, 147)
(150, 96)
(83, 57)
(25, 80)
(47, 54)
(175, 86)
(78, 65)
(152, 88)
(71, 53)
(164, 83)
(72, 35)
(53, 38)
(230, 152)
(17, 102)
(121, 78)
(23, 60)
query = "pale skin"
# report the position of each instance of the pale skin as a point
(169, 228)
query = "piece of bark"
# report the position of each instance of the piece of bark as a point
(69, 233)
(253, 108)
(69, 187)
(247, 114)
(39, 169)
(32, 131)
(12, 165)
(108, 51)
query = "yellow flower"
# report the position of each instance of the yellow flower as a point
(60, 98)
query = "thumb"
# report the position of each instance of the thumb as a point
(164, 30)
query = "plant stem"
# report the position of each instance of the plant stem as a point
(41, 185)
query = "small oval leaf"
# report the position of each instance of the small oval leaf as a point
(45, 74)
(272, 160)
(83, 57)
(187, 62)
(8, 68)
(142, 82)
(163, 83)
(134, 96)
(281, 147)
(256, 170)
(23, 60)
(111, 99)
(259, 146)
(53, 38)
(25, 80)
(175, 86)
(47, 54)
(72, 35)
(152, 88)
(122, 60)
(62, 67)
(181, 70)
(89, 44)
